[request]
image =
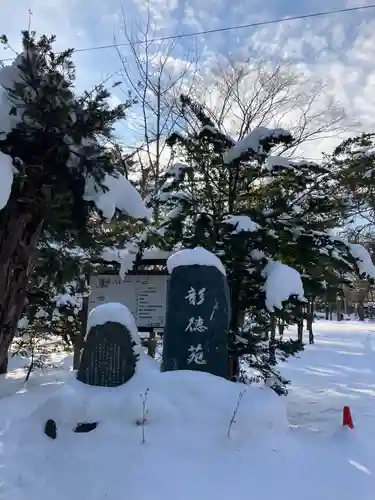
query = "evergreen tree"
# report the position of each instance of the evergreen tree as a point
(353, 163)
(57, 145)
(266, 218)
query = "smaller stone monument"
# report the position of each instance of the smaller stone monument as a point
(109, 355)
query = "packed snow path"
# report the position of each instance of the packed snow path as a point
(338, 370)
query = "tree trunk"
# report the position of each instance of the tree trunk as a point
(241, 319)
(327, 312)
(235, 309)
(4, 365)
(310, 320)
(281, 329)
(19, 235)
(300, 331)
(361, 312)
(340, 316)
(272, 342)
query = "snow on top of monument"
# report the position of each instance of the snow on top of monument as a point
(276, 161)
(116, 313)
(6, 178)
(282, 282)
(120, 194)
(242, 223)
(252, 141)
(194, 256)
(364, 261)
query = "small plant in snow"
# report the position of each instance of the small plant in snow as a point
(233, 419)
(37, 350)
(142, 421)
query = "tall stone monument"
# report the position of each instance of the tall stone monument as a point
(198, 314)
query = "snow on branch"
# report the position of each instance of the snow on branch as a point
(174, 175)
(274, 161)
(177, 169)
(365, 266)
(364, 261)
(6, 178)
(9, 76)
(243, 223)
(120, 194)
(255, 141)
(126, 257)
(282, 283)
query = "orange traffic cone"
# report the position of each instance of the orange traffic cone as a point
(347, 418)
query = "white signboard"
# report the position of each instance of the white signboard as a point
(144, 295)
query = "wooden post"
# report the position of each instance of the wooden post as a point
(152, 342)
(80, 340)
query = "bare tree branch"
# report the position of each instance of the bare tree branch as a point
(240, 96)
(156, 78)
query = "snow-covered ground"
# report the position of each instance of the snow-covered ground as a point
(338, 370)
(285, 448)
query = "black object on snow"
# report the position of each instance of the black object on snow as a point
(50, 429)
(85, 427)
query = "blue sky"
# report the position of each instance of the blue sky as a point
(338, 49)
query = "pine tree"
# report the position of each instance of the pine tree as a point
(353, 164)
(267, 219)
(66, 178)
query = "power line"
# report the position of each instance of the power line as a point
(228, 28)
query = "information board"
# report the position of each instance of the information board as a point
(144, 295)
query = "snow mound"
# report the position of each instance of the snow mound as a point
(185, 429)
(364, 262)
(282, 282)
(115, 312)
(242, 223)
(194, 256)
(120, 194)
(253, 142)
(6, 178)
(187, 453)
